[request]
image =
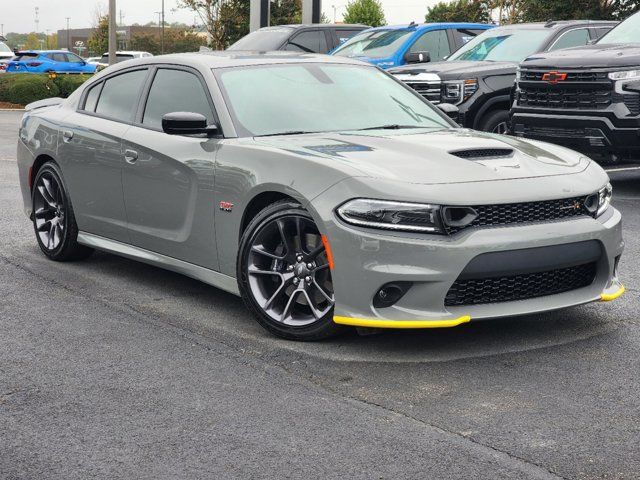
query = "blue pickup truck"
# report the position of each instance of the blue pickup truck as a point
(393, 46)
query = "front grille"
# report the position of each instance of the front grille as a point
(536, 76)
(520, 287)
(562, 132)
(429, 90)
(564, 97)
(515, 213)
(480, 153)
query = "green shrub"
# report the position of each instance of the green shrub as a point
(67, 84)
(23, 88)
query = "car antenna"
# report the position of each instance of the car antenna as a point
(413, 23)
(549, 24)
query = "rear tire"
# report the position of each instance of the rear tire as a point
(54, 222)
(496, 122)
(284, 276)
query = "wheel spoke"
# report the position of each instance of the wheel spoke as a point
(316, 313)
(289, 304)
(42, 212)
(45, 226)
(258, 271)
(50, 240)
(322, 267)
(322, 292)
(316, 251)
(279, 291)
(46, 196)
(261, 251)
(289, 243)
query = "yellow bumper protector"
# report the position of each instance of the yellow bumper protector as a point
(607, 297)
(379, 323)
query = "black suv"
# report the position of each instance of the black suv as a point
(585, 98)
(480, 76)
(315, 38)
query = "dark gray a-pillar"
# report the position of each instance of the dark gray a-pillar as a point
(311, 11)
(259, 13)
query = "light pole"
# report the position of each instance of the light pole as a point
(162, 31)
(68, 40)
(112, 32)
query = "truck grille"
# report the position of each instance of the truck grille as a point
(515, 213)
(536, 76)
(521, 286)
(564, 97)
(429, 90)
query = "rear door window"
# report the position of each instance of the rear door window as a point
(600, 31)
(120, 94)
(311, 41)
(59, 57)
(572, 38)
(463, 35)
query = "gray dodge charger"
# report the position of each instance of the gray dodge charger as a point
(320, 189)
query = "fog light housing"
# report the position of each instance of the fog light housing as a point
(390, 293)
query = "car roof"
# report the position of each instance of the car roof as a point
(235, 58)
(425, 26)
(298, 26)
(551, 24)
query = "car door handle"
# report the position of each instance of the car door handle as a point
(67, 135)
(130, 156)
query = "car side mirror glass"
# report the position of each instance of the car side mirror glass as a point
(450, 111)
(186, 123)
(417, 57)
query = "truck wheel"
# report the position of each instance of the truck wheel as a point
(496, 122)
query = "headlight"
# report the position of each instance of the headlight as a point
(625, 75)
(518, 74)
(604, 199)
(409, 217)
(458, 91)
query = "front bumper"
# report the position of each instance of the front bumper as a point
(590, 134)
(367, 259)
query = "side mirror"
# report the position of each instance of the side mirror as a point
(417, 57)
(450, 111)
(186, 123)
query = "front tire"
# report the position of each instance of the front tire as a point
(284, 276)
(54, 222)
(496, 122)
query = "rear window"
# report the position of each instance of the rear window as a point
(374, 44)
(120, 94)
(263, 40)
(119, 57)
(25, 56)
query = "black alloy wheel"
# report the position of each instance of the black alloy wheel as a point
(53, 218)
(284, 274)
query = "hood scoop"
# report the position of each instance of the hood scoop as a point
(483, 153)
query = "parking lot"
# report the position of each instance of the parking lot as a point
(111, 368)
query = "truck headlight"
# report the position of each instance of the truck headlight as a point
(388, 215)
(625, 75)
(458, 91)
(604, 198)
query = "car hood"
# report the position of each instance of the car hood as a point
(457, 69)
(590, 56)
(425, 157)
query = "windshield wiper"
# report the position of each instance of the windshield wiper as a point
(392, 126)
(290, 132)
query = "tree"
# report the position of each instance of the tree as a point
(459, 11)
(98, 42)
(543, 10)
(51, 41)
(32, 42)
(367, 12)
(209, 12)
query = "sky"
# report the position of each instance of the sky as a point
(19, 15)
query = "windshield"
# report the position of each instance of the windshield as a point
(263, 40)
(627, 32)
(274, 99)
(502, 45)
(4, 48)
(376, 44)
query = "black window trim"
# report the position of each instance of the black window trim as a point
(83, 99)
(142, 103)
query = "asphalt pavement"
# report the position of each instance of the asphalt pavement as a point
(114, 369)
